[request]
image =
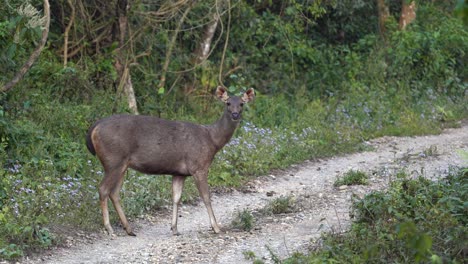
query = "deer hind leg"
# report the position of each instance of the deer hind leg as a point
(115, 198)
(110, 188)
(177, 187)
(202, 185)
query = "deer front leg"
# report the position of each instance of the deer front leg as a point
(202, 185)
(177, 187)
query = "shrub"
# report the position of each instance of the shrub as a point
(413, 221)
(280, 205)
(243, 220)
(352, 177)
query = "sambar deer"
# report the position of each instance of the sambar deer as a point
(153, 145)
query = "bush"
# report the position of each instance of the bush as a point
(352, 177)
(243, 220)
(412, 222)
(317, 98)
(280, 205)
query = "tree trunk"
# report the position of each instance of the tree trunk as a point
(203, 50)
(408, 13)
(128, 90)
(204, 47)
(45, 32)
(384, 14)
(121, 60)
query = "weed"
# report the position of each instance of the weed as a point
(273, 256)
(280, 205)
(249, 255)
(431, 151)
(352, 177)
(409, 85)
(243, 220)
(413, 221)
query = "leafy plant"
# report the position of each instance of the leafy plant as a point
(280, 205)
(352, 177)
(414, 221)
(250, 255)
(243, 220)
(320, 93)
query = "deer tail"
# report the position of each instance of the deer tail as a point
(89, 140)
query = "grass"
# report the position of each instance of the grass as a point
(411, 84)
(414, 221)
(64, 187)
(430, 151)
(280, 205)
(352, 177)
(250, 255)
(243, 220)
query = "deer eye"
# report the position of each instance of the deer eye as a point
(228, 104)
(242, 104)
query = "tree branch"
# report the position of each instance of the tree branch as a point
(225, 44)
(45, 32)
(162, 80)
(67, 31)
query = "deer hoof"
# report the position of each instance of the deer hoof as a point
(217, 230)
(175, 232)
(129, 232)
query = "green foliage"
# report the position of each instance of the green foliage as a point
(461, 10)
(250, 255)
(243, 220)
(325, 80)
(347, 21)
(415, 221)
(280, 205)
(352, 177)
(19, 30)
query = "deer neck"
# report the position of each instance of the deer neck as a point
(222, 130)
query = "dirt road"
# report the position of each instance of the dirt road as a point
(323, 208)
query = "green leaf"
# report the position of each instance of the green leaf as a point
(161, 90)
(11, 51)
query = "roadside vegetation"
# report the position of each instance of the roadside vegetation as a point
(414, 221)
(326, 81)
(352, 177)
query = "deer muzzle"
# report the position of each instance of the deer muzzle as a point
(235, 116)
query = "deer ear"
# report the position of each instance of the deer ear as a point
(222, 94)
(249, 95)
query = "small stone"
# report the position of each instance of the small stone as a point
(343, 187)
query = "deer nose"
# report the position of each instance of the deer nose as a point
(235, 116)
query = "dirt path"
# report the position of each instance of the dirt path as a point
(324, 207)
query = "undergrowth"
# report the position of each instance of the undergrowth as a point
(352, 177)
(414, 221)
(243, 220)
(49, 178)
(327, 101)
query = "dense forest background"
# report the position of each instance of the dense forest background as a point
(328, 74)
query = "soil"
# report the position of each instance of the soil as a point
(320, 207)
